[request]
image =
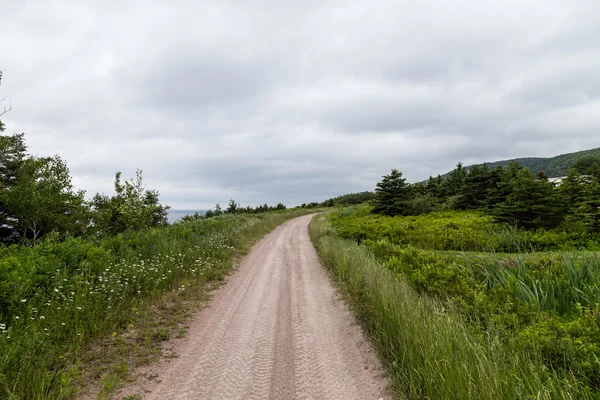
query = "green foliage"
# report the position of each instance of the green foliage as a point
(392, 195)
(476, 184)
(544, 303)
(349, 199)
(57, 297)
(588, 208)
(232, 208)
(512, 195)
(554, 166)
(452, 185)
(13, 153)
(131, 208)
(431, 350)
(43, 200)
(532, 203)
(588, 165)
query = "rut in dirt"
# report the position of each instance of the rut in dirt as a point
(275, 330)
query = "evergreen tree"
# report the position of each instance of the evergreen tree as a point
(453, 184)
(434, 187)
(532, 203)
(588, 208)
(572, 188)
(500, 187)
(475, 187)
(392, 195)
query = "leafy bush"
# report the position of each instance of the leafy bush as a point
(58, 295)
(430, 350)
(547, 303)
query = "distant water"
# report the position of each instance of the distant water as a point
(175, 215)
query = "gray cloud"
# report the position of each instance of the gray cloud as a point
(270, 102)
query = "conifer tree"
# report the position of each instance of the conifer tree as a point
(475, 187)
(392, 195)
(532, 203)
(588, 209)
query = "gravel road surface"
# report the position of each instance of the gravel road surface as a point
(275, 330)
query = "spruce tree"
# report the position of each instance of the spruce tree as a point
(588, 209)
(475, 187)
(392, 195)
(532, 203)
(453, 184)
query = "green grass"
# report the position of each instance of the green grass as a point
(428, 347)
(59, 298)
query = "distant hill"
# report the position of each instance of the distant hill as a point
(553, 167)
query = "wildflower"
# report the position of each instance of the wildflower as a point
(42, 317)
(16, 317)
(62, 323)
(56, 290)
(79, 308)
(2, 327)
(24, 301)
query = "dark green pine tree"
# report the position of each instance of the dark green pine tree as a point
(500, 187)
(392, 195)
(434, 187)
(572, 189)
(453, 184)
(473, 194)
(532, 203)
(588, 209)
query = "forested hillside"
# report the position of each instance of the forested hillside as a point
(552, 167)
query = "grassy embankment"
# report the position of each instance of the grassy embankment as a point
(65, 304)
(454, 319)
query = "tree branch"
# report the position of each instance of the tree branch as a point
(5, 109)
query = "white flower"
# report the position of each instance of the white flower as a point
(2, 327)
(24, 301)
(42, 317)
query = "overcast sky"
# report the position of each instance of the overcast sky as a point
(275, 101)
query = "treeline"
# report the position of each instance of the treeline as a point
(511, 194)
(233, 208)
(37, 199)
(343, 200)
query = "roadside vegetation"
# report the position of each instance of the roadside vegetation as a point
(58, 296)
(481, 285)
(430, 348)
(79, 274)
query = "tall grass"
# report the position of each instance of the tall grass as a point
(56, 297)
(430, 351)
(553, 283)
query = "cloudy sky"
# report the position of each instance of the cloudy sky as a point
(269, 101)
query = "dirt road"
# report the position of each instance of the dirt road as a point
(275, 330)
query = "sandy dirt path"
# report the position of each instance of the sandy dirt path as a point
(275, 330)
